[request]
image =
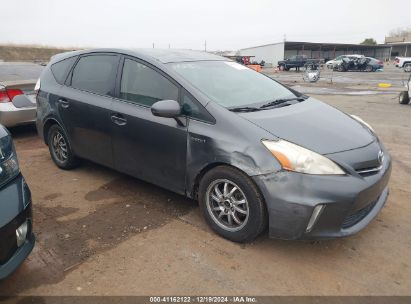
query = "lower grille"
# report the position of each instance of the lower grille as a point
(358, 215)
(8, 241)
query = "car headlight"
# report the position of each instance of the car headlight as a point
(295, 158)
(361, 121)
(9, 166)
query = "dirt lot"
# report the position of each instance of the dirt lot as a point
(28, 53)
(103, 233)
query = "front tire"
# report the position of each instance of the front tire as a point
(404, 98)
(340, 68)
(232, 205)
(60, 149)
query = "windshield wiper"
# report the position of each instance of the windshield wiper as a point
(281, 101)
(245, 109)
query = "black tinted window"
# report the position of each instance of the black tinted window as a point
(95, 74)
(60, 69)
(145, 86)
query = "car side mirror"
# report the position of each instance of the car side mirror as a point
(166, 108)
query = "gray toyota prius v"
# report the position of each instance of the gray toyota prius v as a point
(254, 153)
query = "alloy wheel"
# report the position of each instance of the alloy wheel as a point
(60, 147)
(227, 205)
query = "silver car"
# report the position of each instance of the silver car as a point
(11, 112)
(18, 78)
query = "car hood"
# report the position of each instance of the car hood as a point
(314, 125)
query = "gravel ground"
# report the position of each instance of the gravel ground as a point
(100, 232)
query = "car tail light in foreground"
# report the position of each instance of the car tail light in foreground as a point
(379, 61)
(7, 95)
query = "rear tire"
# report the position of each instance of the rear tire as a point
(407, 67)
(404, 98)
(60, 149)
(225, 193)
(369, 68)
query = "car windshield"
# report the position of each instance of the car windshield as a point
(231, 84)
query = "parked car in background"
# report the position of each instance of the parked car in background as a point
(11, 114)
(359, 64)
(332, 63)
(16, 234)
(404, 96)
(403, 62)
(17, 78)
(252, 151)
(297, 61)
(375, 63)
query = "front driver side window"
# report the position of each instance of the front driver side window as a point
(143, 85)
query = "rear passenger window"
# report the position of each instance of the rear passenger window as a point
(60, 69)
(145, 86)
(95, 74)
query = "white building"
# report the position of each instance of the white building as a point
(272, 53)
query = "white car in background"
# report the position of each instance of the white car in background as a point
(331, 63)
(403, 62)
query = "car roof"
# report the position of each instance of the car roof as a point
(159, 55)
(177, 55)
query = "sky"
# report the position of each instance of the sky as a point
(224, 24)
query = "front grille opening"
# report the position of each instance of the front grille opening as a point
(368, 171)
(358, 216)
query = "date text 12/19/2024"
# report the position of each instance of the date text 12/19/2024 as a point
(203, 299)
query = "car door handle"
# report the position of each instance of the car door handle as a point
(64, 103)
(118, 119)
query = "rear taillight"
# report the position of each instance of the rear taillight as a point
(8, 94)
(3, 96)
(397, 60)
(379, 62)
(14, 92)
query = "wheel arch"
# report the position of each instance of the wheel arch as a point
(48, 123)
(193, 192)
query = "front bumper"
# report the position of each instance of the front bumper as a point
(11, 116)
(15, 209)
(351, 202)
(18, 258)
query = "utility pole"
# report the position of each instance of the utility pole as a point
(169, 45)
(205, 45)
(153, 45)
